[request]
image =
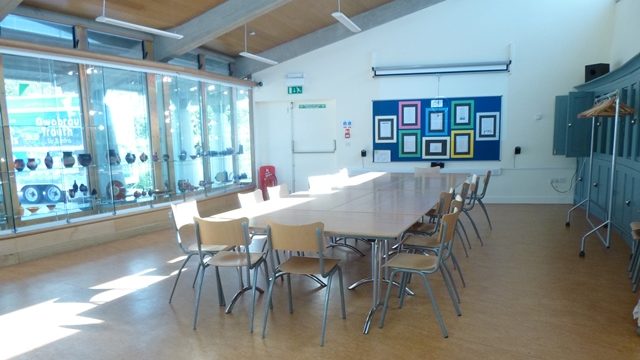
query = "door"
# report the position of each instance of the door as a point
(313, 128)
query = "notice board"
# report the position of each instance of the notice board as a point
(465, 128)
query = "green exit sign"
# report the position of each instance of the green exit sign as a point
(294, 90)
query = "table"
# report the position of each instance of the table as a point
(378, 206)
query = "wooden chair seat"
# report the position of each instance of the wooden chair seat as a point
(421, 241)
(421, 227)
(301, 265)
(235, 259)
(417, 262)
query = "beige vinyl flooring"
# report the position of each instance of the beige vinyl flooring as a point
(528, 296)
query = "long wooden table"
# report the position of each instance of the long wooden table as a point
(378, 206)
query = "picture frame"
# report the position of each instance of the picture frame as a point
(462, 114)
(488, 126)
(437, 122)
(462, 144)
(409, 144)
(385, 129)
(409, 115)
(435, 147)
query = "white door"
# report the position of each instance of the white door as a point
(313, 128)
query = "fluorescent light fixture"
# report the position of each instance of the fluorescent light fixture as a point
(107, 20)
(255, 57)
(128, 25)
(344, 20)
(252, 56)
(495, 66)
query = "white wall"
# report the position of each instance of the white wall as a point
(626, 27)
(549, 42)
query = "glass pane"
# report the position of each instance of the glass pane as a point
(118, 106)
(187, 60)
(114, 45)
(46, 128)
(186, 135)
(217, 66)
(243, 134)
(46, 33)
(219, 129)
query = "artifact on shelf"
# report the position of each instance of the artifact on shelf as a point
(137, 194)
(51, 206)
(67, 159)
(33, 209)
(32, 164)
(117, 190)
(183, 185)
(72, 193)
(48, 161)
(114, 157)
(143, 157)
(130, 158)
(85, 159)
(165, 157)
(18, 164)
(183, 155)
(94, 192)
(83, 189)
(75, 186)
(155, 157)
(193, 157)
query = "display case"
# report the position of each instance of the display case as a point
(89, 141)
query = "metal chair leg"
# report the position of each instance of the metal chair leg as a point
(486, 214)
(464, 247)
(457, 265)
(436, 309)
(473, 223)
(464, 231)
(326, 308)
(178, 276)
(451, 288)
(198, 292)
(385, 304)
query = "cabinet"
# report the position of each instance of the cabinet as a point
(572, 136)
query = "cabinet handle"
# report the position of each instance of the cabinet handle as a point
(595, 184)
(628, 202)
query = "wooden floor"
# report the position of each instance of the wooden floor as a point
(528, 296)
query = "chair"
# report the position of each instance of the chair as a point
(278, 191)
(479, 198)
(232, 233)
(429, 243)
(424, 265)
(301, 238)
(470, 203)
(250, 199)
(634, 263)
(182, 215)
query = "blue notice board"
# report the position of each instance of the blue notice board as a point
(466, 128)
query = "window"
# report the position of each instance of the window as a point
(114, 45)
(21, 28)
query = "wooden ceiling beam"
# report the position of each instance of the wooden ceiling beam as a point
(212, 24)
(7, 6)
(330, 34)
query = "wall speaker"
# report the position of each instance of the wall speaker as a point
(594, 71)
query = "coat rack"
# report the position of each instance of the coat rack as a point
(608, 106)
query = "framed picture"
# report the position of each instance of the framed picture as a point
(462, 144)
(385, 129)
(488, 126)
(409, 114)
(436, 122)
(435, 147)
(409, 145)
(381, 156)
(462, 115)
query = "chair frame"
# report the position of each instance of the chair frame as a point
(445, 234)
(207, 260)
(479, 198)
(279, 272)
